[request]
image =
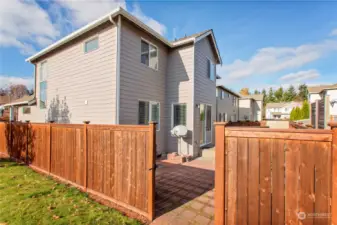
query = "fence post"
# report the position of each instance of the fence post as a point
(85, 147)
(151, 165)
(49, 146)
(220, 173)
(317, 114)
(333, 126)
(27, 144)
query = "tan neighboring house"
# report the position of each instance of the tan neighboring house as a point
(326, 98)
(251, 107)
(280, 110)
(227, 104)
(117, 70)
(4, 113)
(19, 109)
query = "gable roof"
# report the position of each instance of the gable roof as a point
(120, 11)
(320, 88)
(21, 101)
(283, 104)
(257, 97)
(4, 99)
(228, 90)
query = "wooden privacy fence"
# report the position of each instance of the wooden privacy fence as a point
(269, 176)
(111, 162)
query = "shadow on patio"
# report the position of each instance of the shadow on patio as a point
(184, 192)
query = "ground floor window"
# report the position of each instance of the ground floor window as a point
(26, 110)
(149, 111)
(208, 118)
(178, 114)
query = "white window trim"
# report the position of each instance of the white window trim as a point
(150, 111)
(150, 43)
(172, 112)
(40, 81)
(90, 39)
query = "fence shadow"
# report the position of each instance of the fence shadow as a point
(178, 184)
(20, 141)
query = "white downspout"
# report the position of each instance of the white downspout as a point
(118, 44)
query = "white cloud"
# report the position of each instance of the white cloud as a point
(274, 59)
(5, 81)
(22, 23)
(83, 12)
(154, 24)
(301, 76)
(333, 32)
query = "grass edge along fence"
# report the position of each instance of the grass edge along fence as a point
(115, 164)
(275, 176)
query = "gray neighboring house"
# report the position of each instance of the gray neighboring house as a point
(227, 104)
(117, 70)
(251, 107)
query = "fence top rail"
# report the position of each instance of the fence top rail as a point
(274, 134)
(305, 131)
(119, 127)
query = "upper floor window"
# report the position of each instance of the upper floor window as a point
(211, 70)
(234, 101)
(43, 85)
(91, 45)
(149, 55)
(149, 111)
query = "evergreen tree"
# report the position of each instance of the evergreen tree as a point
(303, 92)
(292, 114)
(305, 110)
(290, 94)
(279, 95)
(257, 92)
(271, 97)
(265, 99)
(298, 113)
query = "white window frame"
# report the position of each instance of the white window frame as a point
(88, 40)
(150, 111)
(149, 43)
(172, 112)
(45, 62)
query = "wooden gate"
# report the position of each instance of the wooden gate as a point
(269, 176)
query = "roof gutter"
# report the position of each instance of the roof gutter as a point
(16, 103)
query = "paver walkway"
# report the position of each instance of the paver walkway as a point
(185, 193)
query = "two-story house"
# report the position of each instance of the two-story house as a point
(280, 110)
(117, 70)
(327, 96)
(227, 104)
(251, 107)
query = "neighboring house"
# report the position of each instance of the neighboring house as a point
(280, 110)
(117, 70)
(227, 104)
(327, 93)
(251, 107)
(19, 109)
(4, 113)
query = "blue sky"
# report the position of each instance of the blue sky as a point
(263, 44)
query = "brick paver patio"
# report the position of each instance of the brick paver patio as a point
(185, 193)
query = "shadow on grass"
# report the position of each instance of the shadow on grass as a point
(7, 162)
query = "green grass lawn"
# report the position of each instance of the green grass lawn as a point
(27, 197)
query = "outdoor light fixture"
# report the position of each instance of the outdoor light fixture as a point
(332, 102)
